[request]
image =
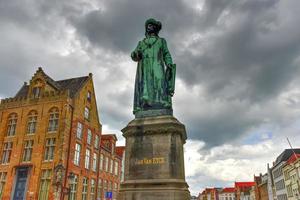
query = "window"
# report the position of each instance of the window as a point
(45, 184)
(85, 183)
(101, 162)
(12, 124)
(106, 164)
(2, 182)
(99, 192)
(116, 168)
(53, 120)
(77, 154)
(27, 150)
(49, 149)
(111, 166)
(73, 188)
(86, 113)
(89, 136)
(6, 153)
(32, 121)
(87, 158)
(96, 144)
(79, 130)
(95, 162)
(92, 192)
(36, 91)
(289, 190)
(115, 189)
(89, 96)
(109, 186)
(105, 186)
(280, 185)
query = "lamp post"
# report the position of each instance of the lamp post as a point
(67, 190)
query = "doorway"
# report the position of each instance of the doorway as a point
(20, 184)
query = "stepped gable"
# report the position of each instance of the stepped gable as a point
(72, 84)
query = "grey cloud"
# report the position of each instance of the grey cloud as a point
(246, 52)
(121, 24)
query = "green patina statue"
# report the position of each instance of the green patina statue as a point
(155, 76)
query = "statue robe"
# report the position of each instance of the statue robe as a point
(150, 83)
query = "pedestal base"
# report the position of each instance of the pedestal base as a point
(154, 164)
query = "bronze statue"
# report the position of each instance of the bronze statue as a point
(155, 75)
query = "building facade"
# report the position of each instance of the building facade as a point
(277, 174)
(227, 194)
(50, 140)
(209, 194)
(291, 176)
(260, 189)
(243, 189)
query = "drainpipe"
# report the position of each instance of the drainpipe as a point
(68, 155)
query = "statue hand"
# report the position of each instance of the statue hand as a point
(139, 55)
(169, 66)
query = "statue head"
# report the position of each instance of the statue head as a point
(152, 26)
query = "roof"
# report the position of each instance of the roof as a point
(73, 84)
(244, 184)
(293, 158)
(120, 150)
(109, 137)
(285, 155)
(23, 91)
(228, 190)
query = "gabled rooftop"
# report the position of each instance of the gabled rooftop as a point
(72, 84)
(293, 158)
(285, 155)
(243, 184)
(228, 190)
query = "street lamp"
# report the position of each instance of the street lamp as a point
(71, 178)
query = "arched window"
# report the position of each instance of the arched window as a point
(12, 124)
(31, 123)
(53, 120)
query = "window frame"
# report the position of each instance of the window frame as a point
(27, 150)
(87, 158)
(6, 152)
(79, 130)
(87, 113)
(53, 122)
(12, 125)
(76, 160)
(49, 152)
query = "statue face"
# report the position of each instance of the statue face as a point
(151, 28)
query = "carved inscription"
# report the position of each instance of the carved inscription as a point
(151, 161)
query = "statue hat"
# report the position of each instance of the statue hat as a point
(153, 21)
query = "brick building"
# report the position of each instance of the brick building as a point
(261, 187)
(209, 194)
(50, 141)
(291, 171)
(243, 189)
(227, 193)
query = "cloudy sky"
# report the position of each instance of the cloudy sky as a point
(237, 87)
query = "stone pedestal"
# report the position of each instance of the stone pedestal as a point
(154, 164)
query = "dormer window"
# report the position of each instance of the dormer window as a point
(36, 91)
